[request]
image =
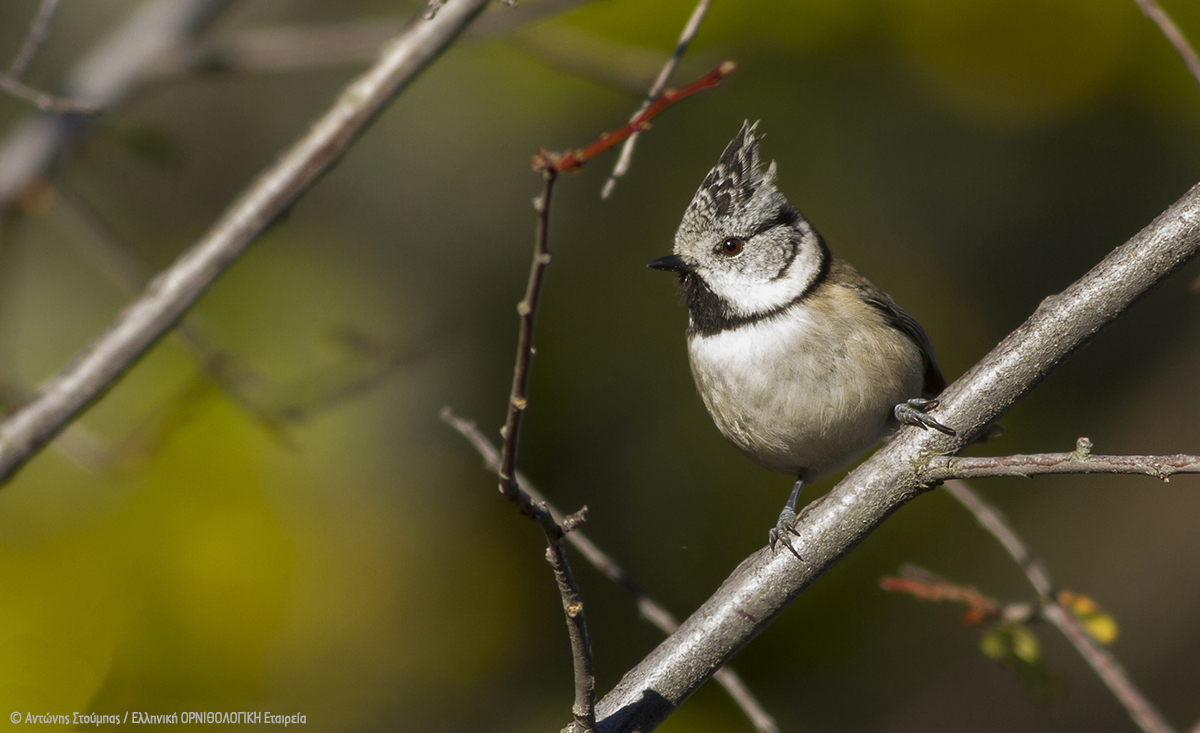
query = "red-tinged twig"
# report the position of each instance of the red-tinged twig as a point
(650, 610)
(1152, 10)
(1106, 666)
(571, 160)
(11, 80)
(1081, 460)
(922, 584)
(685, 39)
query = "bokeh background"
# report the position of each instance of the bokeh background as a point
(309, 537)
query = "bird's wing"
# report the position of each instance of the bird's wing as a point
(899, 319)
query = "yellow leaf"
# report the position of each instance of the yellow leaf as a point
(1100, 625)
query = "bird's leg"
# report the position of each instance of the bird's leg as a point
(787, 521)
(913, 413)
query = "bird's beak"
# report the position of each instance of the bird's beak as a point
(671, 263)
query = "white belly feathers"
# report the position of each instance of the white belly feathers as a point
(805, 391)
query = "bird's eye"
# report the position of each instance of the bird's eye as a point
(732, 246)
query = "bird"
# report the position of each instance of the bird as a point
(802, 362)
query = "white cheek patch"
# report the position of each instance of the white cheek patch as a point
(751, 295)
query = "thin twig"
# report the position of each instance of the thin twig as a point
(175, 289)
(584, 707)
(1100, 659)
(943, 468)
(518, 398)
(47, 102)
(11, 80)
(33, 39)
(227, 370)
(1152, 10)
(570, 160)
(106, 76)
(551, 165)
(649, 609)
(685, 38)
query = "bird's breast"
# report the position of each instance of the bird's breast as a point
(806, 390)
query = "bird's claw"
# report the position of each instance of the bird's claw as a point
(779, 533)
(913, 413)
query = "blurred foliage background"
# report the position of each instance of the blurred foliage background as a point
(181, 549)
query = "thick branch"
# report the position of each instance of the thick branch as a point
(766, 583)
(1101, 661)
(650, 609)
(175, 289)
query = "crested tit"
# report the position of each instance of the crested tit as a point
(801, 361)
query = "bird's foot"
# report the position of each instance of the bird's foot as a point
(784, 527)
(913, 413)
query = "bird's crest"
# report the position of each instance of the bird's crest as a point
(736, 180)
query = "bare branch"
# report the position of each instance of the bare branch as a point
(105, 77)
(98, 243)
(766, 583)
(518, 398)
(584, 706)
(944, 468)
(650, 609)
(44, 101)
(1152, 10)
(1101, 661)
(290, 48)
(34, 39)
(166, 299)
(11, 80)
(685, 38)
(284, 48)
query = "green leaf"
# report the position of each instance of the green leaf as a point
(1016, 647)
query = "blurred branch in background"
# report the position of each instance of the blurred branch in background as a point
(297, 48)
(363, 363)
(175, 289)
(11, 80)
(766, 583)
(1154, 12)
(1009, 639)
(105, 78)
(97, 243)
(1143, 712)
(649, 609)
(690, 29)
